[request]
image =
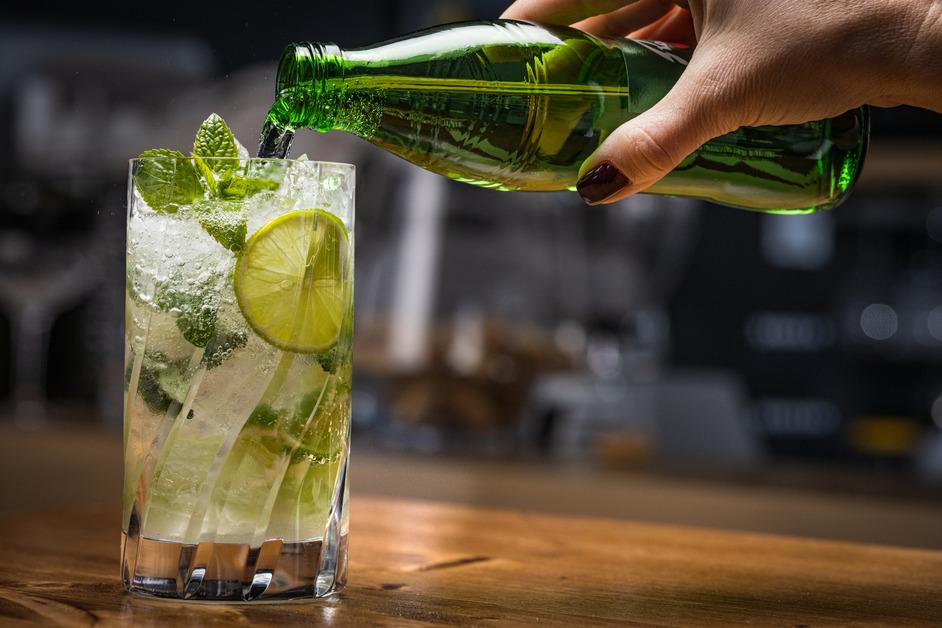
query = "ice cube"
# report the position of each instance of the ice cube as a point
(230, 391)
(336, 188)
(153, 330)
(261, 209)
(171, 249)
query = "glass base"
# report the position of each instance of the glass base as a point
(232, 572)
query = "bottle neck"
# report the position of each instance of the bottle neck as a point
(306, 93)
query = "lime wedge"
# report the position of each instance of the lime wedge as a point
(293, 281)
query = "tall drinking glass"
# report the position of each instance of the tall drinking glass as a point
(239, 322)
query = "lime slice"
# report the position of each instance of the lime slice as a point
(292, 281)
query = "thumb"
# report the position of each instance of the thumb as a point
(641, 151)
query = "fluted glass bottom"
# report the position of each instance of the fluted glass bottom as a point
(233, 572)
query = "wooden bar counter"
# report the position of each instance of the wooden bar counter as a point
(416, 563)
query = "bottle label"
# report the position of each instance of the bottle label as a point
(670, 52)
(652, 68)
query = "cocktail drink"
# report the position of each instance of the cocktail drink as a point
(238, 344)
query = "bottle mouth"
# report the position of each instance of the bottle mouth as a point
(302, 76)
(302, 65)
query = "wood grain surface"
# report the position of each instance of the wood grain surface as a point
(65, 467)
(416, 563)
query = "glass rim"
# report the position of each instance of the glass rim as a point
(243, 160)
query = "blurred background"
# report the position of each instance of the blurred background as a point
(660, 359)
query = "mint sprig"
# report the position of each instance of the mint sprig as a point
(216, 155)
(168, 179)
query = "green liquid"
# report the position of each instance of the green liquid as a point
(519, 106)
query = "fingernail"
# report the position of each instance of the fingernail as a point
(600, 183)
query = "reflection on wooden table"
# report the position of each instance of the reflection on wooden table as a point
(416, 563)
(76, 468)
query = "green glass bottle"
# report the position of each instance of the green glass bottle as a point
(519, 106)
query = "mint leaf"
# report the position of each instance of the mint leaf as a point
(225, 222)
(162, 382)
(167, 179)
(236, 186)
(215, 151)
(197, 326)
(153, 395)
(221, 345)
(197, 318)
(174, 381)
(230, 234)
(316, 413)
(207, 173)
(263, 416)
(215, 139)
(195, 309)
(328, 359)
(148, 385)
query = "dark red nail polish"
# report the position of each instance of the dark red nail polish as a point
(601, 183)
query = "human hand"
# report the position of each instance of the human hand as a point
(755, 63)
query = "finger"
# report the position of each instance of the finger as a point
(561, 11)
(626, 19)
(643, 150)
(676, 27)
